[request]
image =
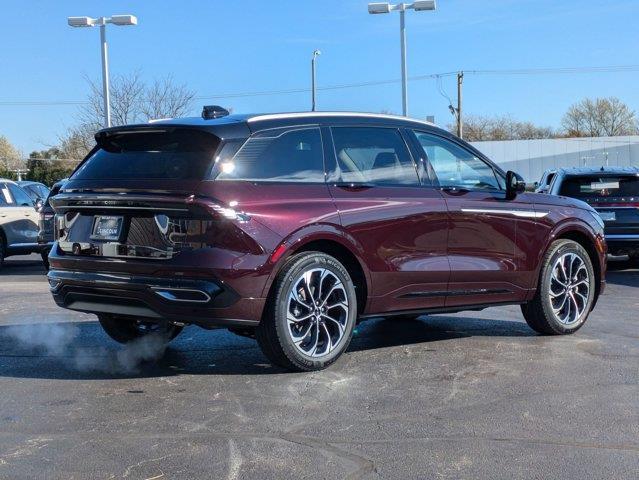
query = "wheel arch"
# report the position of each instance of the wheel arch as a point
(335, 243)
(582, 235)
(589, 245)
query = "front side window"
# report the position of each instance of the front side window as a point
(279, 155)
(454, 166)
(20, 196)
(372, 155)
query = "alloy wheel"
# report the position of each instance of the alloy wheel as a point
(317, 312)
(569, 288)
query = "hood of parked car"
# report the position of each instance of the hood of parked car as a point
(560, 201)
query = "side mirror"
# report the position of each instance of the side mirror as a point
(514, 185)
(39, 204)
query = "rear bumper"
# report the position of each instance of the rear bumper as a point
(207, 303)
(623, 244)
(45, 247)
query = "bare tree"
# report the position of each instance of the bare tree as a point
(601, 117)
(132, 101)
(127, 94)
(480, 128)
(10, 157)
(76, 142)
(164, 99)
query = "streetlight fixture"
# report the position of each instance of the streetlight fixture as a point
(316, 54)
(418, 6)
(119, 20)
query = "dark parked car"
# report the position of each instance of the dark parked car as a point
(45, 223)
(36, 190)
(614, 193)
(291, 227)
(543, 185)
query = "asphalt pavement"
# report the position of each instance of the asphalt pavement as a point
(476, 395)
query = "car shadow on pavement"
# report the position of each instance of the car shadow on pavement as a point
(23, 268)
(391, 332)
(628, 278)
(81, 350)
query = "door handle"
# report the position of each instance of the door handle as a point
(455, 190)
(353, 186)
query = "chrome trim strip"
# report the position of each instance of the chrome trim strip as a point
(499, 211)
(455, 293)
(111, 207)
(277, 116)
(166, 294)
(24, 245)
(619, 236)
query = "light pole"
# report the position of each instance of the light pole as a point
(316, 54)
(418, 6)
(120, 20)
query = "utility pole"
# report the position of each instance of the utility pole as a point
(402, 42)
(316, 53)
(106, 97)
(460, 125)
(384, 7)
(120, 20)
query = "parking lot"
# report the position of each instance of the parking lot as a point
(472, 395)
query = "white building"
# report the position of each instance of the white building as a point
(530, 158)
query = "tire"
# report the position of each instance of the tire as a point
(3, 250)
(126, 329)
(45, 260)
(325, 334)
(562, 306)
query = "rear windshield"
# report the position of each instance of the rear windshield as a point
(600, 186)
(179, 154)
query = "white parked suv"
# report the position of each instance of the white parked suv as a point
(18, 221)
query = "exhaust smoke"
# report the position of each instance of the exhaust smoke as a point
(57, 340)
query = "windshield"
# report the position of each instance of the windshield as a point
(178, 154)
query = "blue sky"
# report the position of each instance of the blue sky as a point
(219, 47)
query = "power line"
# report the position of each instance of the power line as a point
(430, 76)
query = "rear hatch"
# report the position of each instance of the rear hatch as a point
(615, 197)
(135, 195)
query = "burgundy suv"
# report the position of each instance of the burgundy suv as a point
(292, 227)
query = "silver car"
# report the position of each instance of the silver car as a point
(18, 221)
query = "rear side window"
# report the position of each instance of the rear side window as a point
(20, 196)
(279, 155)
(5, 196)
(372, 155)
(32, 191)
(177, 154)
(600, 186)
